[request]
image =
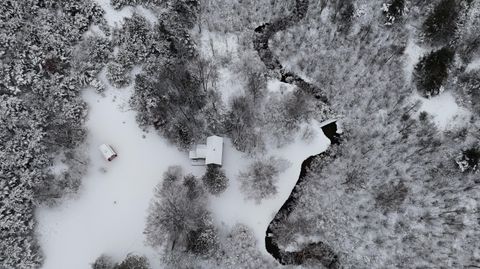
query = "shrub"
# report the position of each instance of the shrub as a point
(469, 159)
(258, 182)
(117, 75)
(134, 262)
(103, 262)
(394, 11)
(214, 179)
(432, 71)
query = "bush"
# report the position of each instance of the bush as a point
(469, 159)
(103, 262)
(134, 262)
(259, 181)
(441, 24)
(215, 180)
(203, 242)
(394, 11)
(432, 71)
(117, 75)
(131, 262)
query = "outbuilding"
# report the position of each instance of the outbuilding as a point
(108, 152)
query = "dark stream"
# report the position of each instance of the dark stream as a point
(317, 251)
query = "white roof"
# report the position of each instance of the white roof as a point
(200, 152)
(107, 151)
(214, 150)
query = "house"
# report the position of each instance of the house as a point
(210, 153)
(107, 152)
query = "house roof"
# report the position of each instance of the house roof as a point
(214, 150)
(200, 152)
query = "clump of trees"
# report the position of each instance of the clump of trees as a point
(343, 14)
(441, 25)
(239, 248)
(214, 179)
(178, 218)
(258, 182)
(132, 261)
(41, 111)
(431, 71)
(394, 11)
(469, 160)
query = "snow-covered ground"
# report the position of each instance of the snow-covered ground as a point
(231, 207)
(473, 65)
(444, 109)
(109, 216)
(413, 53)
(116, 17)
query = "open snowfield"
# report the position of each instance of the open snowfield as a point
(109, 215)
(444, 109)
(231, 207)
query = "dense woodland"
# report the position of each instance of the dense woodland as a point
(398, 192)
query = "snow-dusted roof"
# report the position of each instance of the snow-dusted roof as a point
(211, 153)
(107, 151)
(200, 152)
(214, 150)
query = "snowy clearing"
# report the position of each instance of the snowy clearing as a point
(413, 53)
(444, 109)
(473, 65)
(229, 85)
(231, 208)
(109, 217)
(275, 85)
(115, 17)
(214, 44)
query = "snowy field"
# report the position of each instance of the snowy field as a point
(231, 208)
(109, 215)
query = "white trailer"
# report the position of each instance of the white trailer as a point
(107, 152)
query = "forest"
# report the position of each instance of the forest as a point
(397, 191)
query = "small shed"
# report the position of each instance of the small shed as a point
(210, 153)
(108, 152)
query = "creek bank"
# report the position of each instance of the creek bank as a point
(264, 32)
(314, 251)
(318, 251)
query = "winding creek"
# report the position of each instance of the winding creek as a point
(318, 251)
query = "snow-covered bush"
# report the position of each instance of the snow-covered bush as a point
(394, 11)
(240, 251)
(117, 75)
(103, 262)
(469, 160)
(214, 179)
(258, 182)
(133, 261)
